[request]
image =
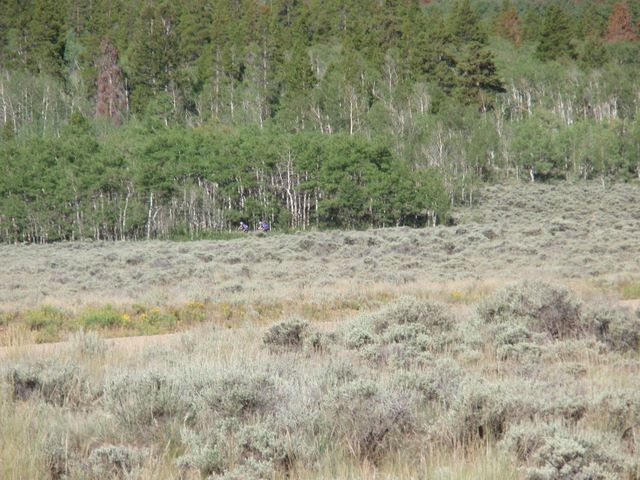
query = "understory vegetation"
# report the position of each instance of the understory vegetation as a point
(530, 382)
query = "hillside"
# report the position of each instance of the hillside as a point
(499, 347)
(585, 232)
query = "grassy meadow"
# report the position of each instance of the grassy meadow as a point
(503, 346)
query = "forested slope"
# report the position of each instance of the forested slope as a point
(157, 119)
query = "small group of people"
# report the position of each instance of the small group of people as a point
(263, 226)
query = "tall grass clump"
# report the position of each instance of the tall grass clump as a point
(102, 318)
(47, 321)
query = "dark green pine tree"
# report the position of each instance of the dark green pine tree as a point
(14, 25)
(431, 52)
(298, 73)
(464, 24)
(193, 29)
(531, 25)
(47, 31)
(556, 35)
(593, 22)
(154, 57)
(477, 78)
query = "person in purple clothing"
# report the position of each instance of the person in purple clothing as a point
(244, 227)
(263, 226)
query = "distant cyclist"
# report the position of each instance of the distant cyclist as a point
(244, 227)
(263, 226)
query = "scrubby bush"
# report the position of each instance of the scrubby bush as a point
(538, 306)
(619, 410)
(59, 384)
(138, 399)
(480, 410)
(57, 456)
(88, 343)
(287, 335)
(551, 451)
(205, 451)
(439, 382)
(402, 332)
(229, 447)
(116, 461)
(616, 327)
(367, 418)
(266, 444)
(239, 395)
(431, 316)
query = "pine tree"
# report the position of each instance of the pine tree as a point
(593, 53)
(593, 22)
(476, 76)
(531, 25)
(620, 27)
(154, 57)
(431, 52)
(298, 73)
(464, 24)
(47, 37)
(111, 101)
(556, 35)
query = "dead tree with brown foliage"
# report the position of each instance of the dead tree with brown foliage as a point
(111, 101)
(620, 27)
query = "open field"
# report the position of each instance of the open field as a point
(505, 346)
(583, 233)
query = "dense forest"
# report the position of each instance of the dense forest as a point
(164, 119)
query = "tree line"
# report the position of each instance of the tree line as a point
(142, 183)
(167, 117)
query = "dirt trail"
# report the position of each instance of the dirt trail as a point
(129, 343)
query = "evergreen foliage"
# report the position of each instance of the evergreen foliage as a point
(111, 113)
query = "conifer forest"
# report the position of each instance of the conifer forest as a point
(179, 119)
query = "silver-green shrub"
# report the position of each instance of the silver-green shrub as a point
(287, 335)
(616, 327)
(88, 343)
(439, 382)
(116, 461)
(538, 306)
(553, 452)
(431, 316)
(368, 418)
(59, 384)
(141, 399)
(239, 394)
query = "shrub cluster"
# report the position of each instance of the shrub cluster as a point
(553, 452)
(524, 316)
(405, 332)
(58, 384)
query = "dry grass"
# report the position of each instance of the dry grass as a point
(366, 384)
(559, 232)
(459, 396)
